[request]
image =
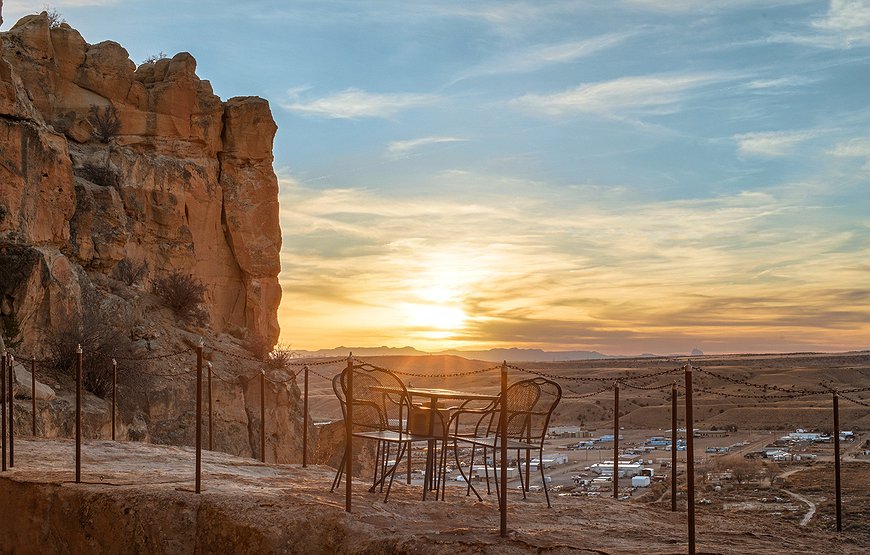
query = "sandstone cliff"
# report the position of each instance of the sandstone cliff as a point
(194, 191)
(90, 220)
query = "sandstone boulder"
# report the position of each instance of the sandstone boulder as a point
(23, 381)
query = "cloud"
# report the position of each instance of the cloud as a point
(545, 55)
(643, 94)
(859, 147)
(402, 148)
(534, 266)
(845, 25)
(771, 144)
(355, 103)
(788, 82)
(13, 10)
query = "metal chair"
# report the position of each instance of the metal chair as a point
(530, 404)
(380, 413)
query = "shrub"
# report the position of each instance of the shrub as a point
(280, 357)
(155, 58)
(131, 272)
(11, 331)
(54, 18)
(105, 176)
(106, 122)
(101, 336)
(184, 294)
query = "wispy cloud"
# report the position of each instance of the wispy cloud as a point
(779, 83)
(845, 25)
(854, 148)
(355, 103)
(403, 148)
(643, 94)
(771, 144)
(545, 55)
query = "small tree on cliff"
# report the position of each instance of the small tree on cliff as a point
(184, 294)
(106, 122)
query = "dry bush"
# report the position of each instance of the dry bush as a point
(155, 58)
(104, 176)
(106, 122)
(131, 272)
(54, 18)
(280, 357)
(101, 336)
(184, 294)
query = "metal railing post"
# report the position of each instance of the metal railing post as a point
(503, 422)
(262, 416)
(3, 405)
(11, 366)
(114, 394)
(33, 394)
(78, 414)
(674, 439)
(837, 492)
(690, 459)
(305, 420)
(210, 411)
(348, 435)
(198, 480)
(616, 440)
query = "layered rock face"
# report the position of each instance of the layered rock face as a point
(192, 187)
(92, 215)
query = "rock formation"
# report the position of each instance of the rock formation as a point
(186, 182)
(112, 177)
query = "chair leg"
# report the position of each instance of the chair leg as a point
(410, 456)
(486, 470)
(524, 485)
(338, 473)
(469, 488)
(392, 471)
(544, 478)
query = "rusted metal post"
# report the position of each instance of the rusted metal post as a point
(33, 394)
(305, 420)
(262, 416)
(690, 459)
(78, 414)
(210, 411)
(348, 435)
(838, 496)
(616, 440)
(114, 394)
(3, 407)
(502, 423)
(11, 374)
(198, 482)
(674, 447)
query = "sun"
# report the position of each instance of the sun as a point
(434, 316)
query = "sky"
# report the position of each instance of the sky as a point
(631, 176)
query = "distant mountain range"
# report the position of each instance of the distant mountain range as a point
(490, 355)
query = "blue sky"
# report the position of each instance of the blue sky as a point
(628, 176)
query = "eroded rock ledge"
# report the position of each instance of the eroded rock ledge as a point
(138, 498)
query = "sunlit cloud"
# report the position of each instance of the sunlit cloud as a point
(403, 148)
(771, 144)
(548, 272)
(356, 103)
(643, 94)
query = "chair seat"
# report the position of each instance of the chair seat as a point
(493, 441)
(392, 436)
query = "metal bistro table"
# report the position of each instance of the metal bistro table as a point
(434, 395)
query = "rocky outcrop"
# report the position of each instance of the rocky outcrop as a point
(112, 176)
(186, 183)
